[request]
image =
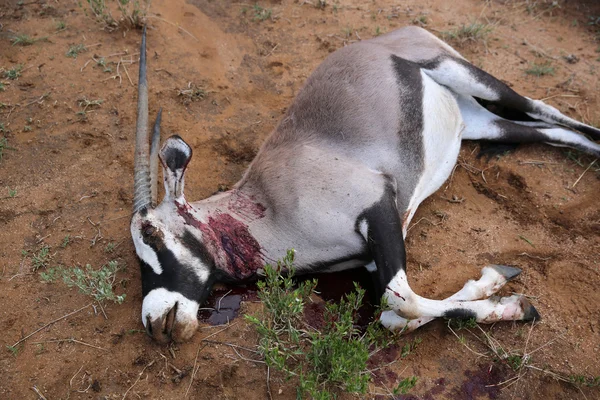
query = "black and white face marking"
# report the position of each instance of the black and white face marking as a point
(176, 269)
(176, 274)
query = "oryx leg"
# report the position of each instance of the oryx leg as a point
(493, 278)
(384, 238)
(482, 124)
(469, 81)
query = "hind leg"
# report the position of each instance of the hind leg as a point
(493, 278)
(482, 124)
(469, 81)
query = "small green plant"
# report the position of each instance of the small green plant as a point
(333, 357)
(74, 50)
(12, 192)
(321, 4)
(22, 40)
(101, 62)
(516, 361)
(61, 25)
(14, 350)
(41, 259)
(13, 73)
(27, 128)
(405, 385)
(474, 32)
(580, 380)
(4, 145)
(261, 13)
(410, 347)
(85, 103)
(66, 241)
(49, 275)
(110, 247)
(96, 283)
(421, 20)
(540, 69)
(462, 323)
(2, 87)
(132, 12)
(192, 93)
(377, 31)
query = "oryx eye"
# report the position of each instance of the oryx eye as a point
(148, 230)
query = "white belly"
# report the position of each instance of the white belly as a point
(442, 127)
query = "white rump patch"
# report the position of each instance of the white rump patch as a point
(458, 78)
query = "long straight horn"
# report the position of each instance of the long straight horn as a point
(154, 157)
(141, 179)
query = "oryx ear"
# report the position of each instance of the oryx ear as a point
(174, 156)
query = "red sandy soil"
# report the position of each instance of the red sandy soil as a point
(536, 207)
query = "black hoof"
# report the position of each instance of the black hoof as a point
(507, 272)
(530, 313)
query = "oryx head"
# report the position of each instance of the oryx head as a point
(176, 277)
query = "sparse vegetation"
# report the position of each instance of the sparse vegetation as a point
(581, 380)
(66, 241)
(12, 193)
(61, 25)
(4, 145)
(192, 93)
(462, 323)
(101, 62)
(405, 385)
(97, 284)
(110, 247)
(323, 359)
(473, 32)
(86, 104)
(22, 40)
(421, 20)
(13, 73)
(540, 69)
(74, 50)
(133, 12)
(14, 350)
(261, 13)
(41, 259)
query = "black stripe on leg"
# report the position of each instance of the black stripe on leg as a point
(384, 239)
(460, 313)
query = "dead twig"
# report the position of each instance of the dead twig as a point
(269, 383)
(170, 23)
(71, 340)
(127, 73)
(37, 391)
(50, 323)
(586, 170)
(38, 100)
(98, 235)
(534, 257)
(138, 378)
(194, 369)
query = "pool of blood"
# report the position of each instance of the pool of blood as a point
(223, 304)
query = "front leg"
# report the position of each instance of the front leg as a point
(382, 228)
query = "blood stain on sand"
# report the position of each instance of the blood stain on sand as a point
(223, 305)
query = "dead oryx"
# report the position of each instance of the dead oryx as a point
(376, 129)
